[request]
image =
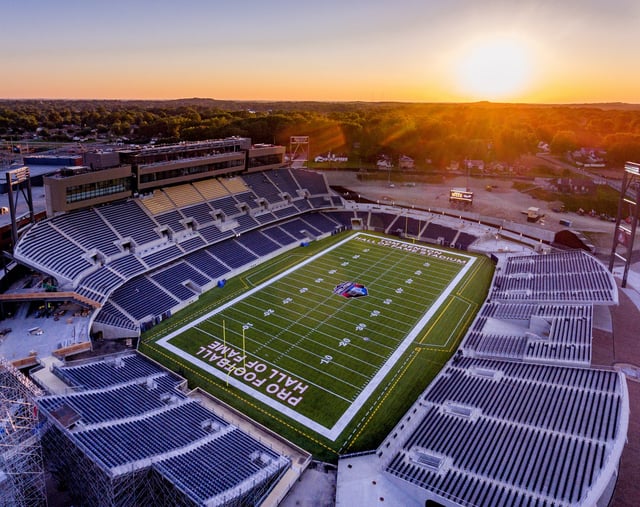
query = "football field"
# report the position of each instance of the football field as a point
(314, 342)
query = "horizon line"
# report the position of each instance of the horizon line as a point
(319, 101)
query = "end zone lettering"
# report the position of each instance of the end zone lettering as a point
(421, 250)
(257, 374)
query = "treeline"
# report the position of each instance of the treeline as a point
(436, 132)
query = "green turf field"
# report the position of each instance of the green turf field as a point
(315, 356)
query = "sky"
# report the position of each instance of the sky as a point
(535, 51)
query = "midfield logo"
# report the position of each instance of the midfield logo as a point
(350, 290)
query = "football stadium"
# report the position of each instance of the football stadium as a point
(213, 323)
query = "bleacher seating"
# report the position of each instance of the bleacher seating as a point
(172, 219)
(130, 221)
(336, 201)
(217, 466)
(472, 439)
(228, 205)
(60, 255)
(74, 238)
(298, 227)
(210, 189)
(262, 186)
(109, 315)
(174, 278)
(319, 202)
(279, 235)
(245, 223)
(382, 221)
(212, 234)
(563, 277)
(282, 179)
(89, 230)
(207, 263)
(193, 243)
(183, 195)
(302, 205)
(320, 222)
(258, 243)
(559, 334)
(248, 198)
(287, 212)
(162, 256)
(232, 254)
(434, 232)
(158, 202)
(313, 182)
(408, 226)
(141, 298)
(464, 240)
(234, 185)
(265, 218)
(130, 418)
(108, 371)
(103, 280)
(344, 217)
(200, 212)
(116, 402)
(128, 266)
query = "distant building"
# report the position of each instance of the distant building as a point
(384, 163)
(474, 164)
(589, 157)
(331, 157)
(574, 186)
(405, 162)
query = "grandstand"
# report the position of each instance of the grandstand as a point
(562, 277)
(127, 435)
(532, 332)
(502, 433)
(200, 233)
(193, 233)
(517, 416)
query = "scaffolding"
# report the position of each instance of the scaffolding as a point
(90, 483)
(165, 448)
(22, 480)
(625, 231)
(87, 482)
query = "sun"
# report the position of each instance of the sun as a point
(494, 69)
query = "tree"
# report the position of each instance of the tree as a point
(563, 141)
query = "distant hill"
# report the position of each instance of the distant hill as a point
(307, 105)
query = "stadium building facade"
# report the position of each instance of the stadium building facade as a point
(115, 175)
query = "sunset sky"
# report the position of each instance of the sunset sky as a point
(544, 51)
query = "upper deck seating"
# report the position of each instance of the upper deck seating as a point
(130, 221)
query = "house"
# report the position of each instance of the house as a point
(474, 164)
(405, 162)
(573, 185)
(384, 163)
(331, 157)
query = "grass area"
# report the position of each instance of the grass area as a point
(329, 372)
(604, 200)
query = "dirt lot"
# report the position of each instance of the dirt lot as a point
(501, 202)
